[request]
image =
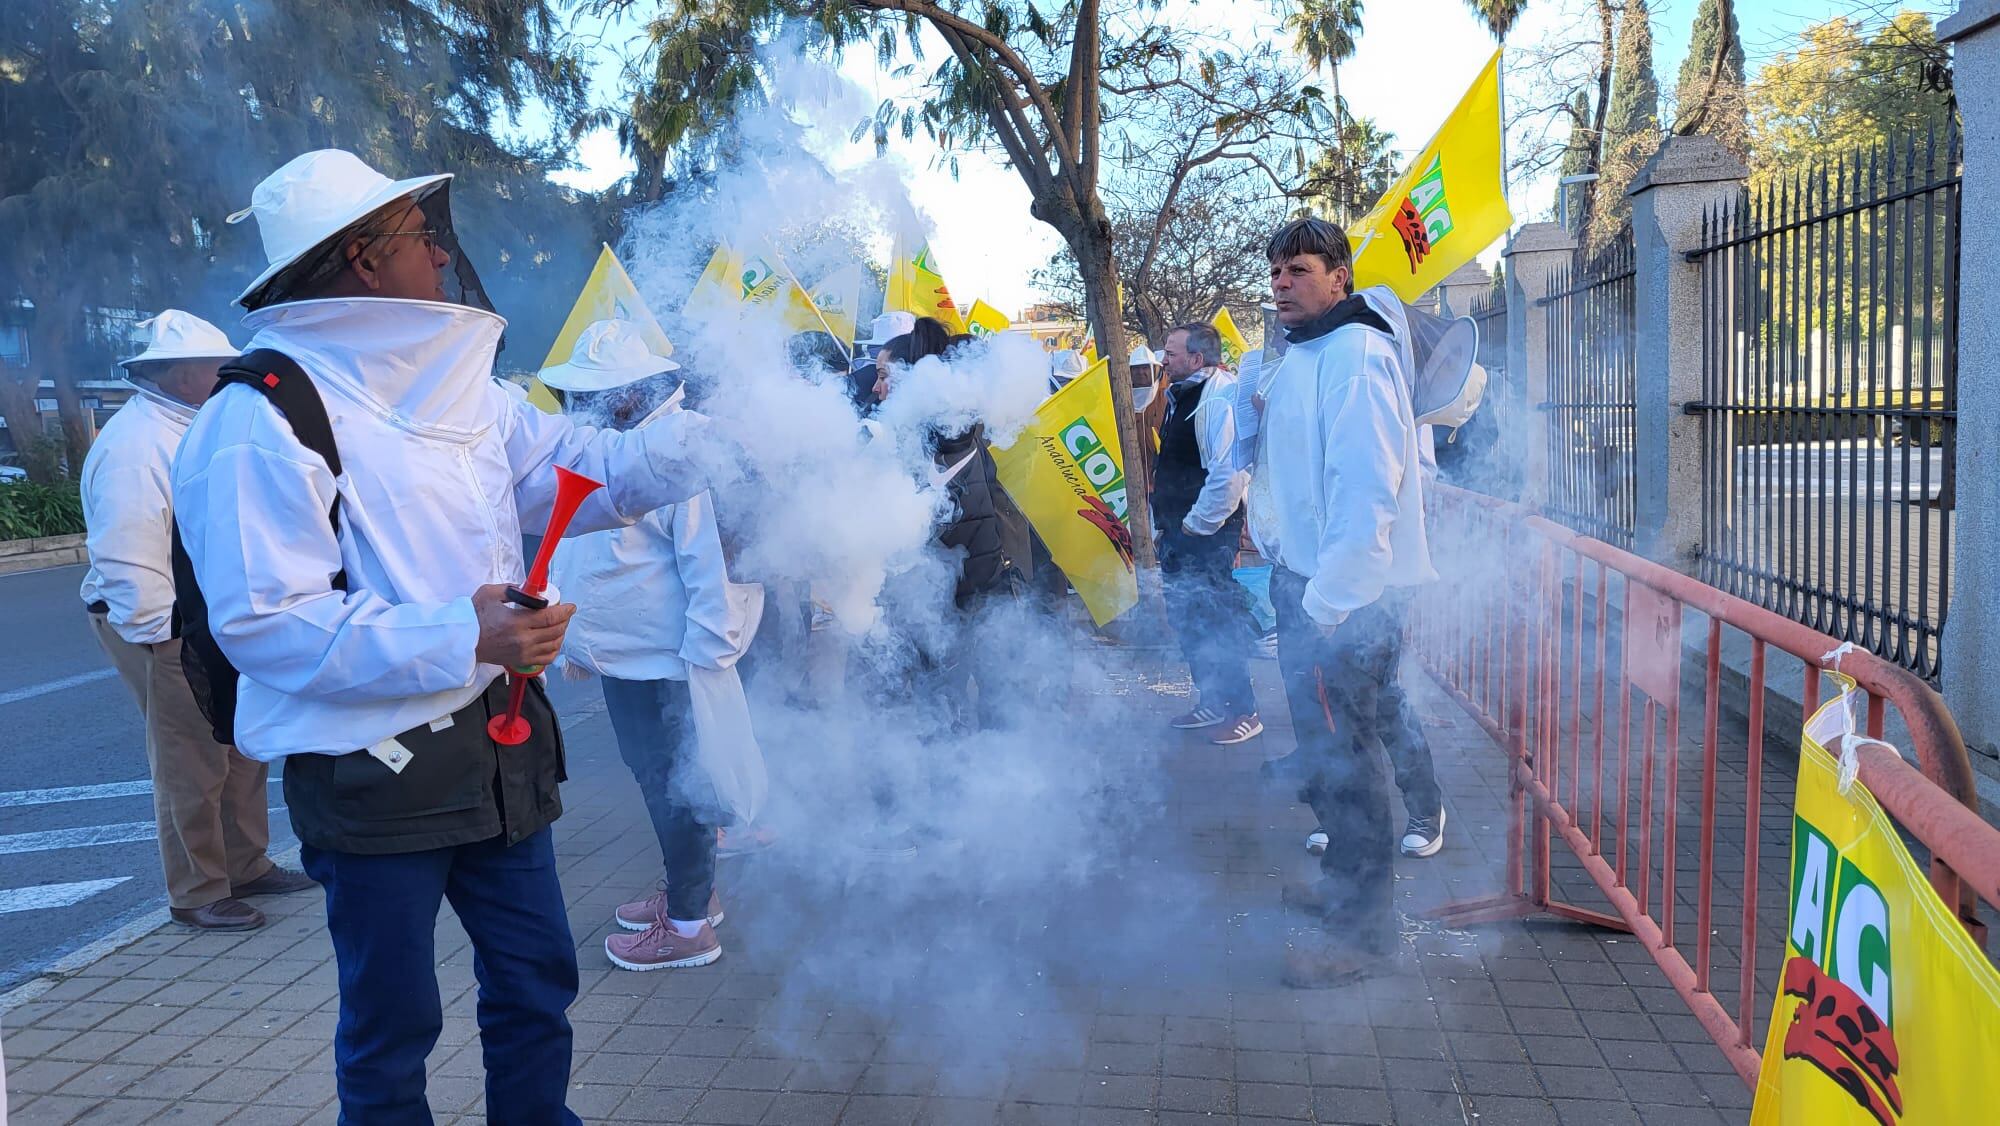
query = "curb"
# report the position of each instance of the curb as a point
(87, 955)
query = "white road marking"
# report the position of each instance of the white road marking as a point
(48, 686)
(132, 789)
(49, 896)
(84, 836)
(51, 840)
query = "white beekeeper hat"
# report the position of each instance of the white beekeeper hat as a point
(608, 354)
(314, 197)
(175, 335)
(1067, 365)
(1143, 356)
(889, 326)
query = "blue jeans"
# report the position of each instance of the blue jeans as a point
(654, 723)
(381, 912)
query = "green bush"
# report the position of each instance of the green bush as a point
(29, 511)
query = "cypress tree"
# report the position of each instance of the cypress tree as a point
(1723, 117)
(1631, 124)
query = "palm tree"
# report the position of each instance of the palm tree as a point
(1498, 14)
(1323, 34)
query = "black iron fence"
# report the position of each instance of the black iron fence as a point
(1490, 314)
(1829, 395)
(1592, 359)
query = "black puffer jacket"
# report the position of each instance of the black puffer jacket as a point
(985, 524)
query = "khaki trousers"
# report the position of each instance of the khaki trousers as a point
(209, 799)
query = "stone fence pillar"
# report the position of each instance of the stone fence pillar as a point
(1685, 178)
(1972, 621)
(1533, 256)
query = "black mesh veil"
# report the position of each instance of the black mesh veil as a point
(314, 269)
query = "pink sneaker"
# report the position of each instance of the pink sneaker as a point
(660, 947)
(640, 914)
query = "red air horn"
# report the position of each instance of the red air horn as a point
(510, 730)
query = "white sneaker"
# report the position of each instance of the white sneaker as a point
(1424, 836)
(1316, 842)
(1242, 729)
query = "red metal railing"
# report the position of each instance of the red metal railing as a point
(1574, 629)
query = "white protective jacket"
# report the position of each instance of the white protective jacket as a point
(655, 598)
(443, 470)
(128, 509)
(1215, 437)
(1337, 496)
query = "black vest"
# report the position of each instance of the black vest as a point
(459, 786)
(1177, 473)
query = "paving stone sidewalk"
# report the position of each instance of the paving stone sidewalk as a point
(1140, 990)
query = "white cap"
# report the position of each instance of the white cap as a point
(315, 197)
(175, 335)
(1143, 356)
(608, 354)
(889, 326)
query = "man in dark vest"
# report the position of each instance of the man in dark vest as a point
(367, 612)
(1198, 492)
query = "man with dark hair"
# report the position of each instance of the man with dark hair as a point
(368, 613)
(1337, 506)
(1198, 505)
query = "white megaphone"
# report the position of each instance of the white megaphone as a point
(1448, 382)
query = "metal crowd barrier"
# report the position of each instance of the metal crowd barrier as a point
(1549, 639)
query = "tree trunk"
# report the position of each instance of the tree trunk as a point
(53, 353)
(1100, 287)
(24, 425)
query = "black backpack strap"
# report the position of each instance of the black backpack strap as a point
(280, 379)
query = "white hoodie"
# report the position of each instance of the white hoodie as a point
(655, 598)
(1338, 492)
(443, 469)
(129, 511)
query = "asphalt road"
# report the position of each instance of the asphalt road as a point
(79, 853)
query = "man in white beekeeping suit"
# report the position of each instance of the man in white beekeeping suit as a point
(209, 799)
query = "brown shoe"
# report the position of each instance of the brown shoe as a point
(222, 915)
(1321, 966)
(277, 881)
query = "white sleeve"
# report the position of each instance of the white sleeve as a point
(255, 525)
(1223, 489)
(1364, 435)
(642, 469)
(129, 521)
(705, 579)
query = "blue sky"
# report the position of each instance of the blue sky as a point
(989, 245)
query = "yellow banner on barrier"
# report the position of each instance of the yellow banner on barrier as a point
(1887, 1013)
(608, 295)
(1448, 206)
(1066, 473)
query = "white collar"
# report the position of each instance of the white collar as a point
(426, 366)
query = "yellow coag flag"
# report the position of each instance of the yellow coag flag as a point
(608, 295)
(1887, 1013)
(1448, 206)
(917, 286)
(755, 279)
(1068, 476)
(1233, 344)
(984, 320)
(837, 297)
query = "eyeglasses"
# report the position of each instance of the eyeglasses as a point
(431, 235)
